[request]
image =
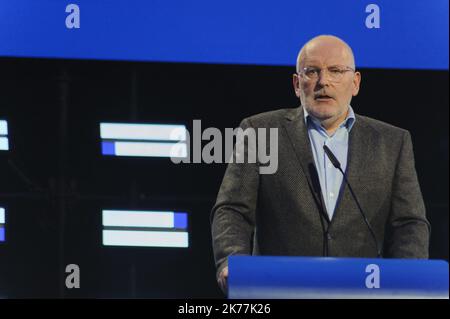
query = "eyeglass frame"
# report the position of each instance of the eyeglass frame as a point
(341, 72)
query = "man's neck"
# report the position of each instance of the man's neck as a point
(332, 124)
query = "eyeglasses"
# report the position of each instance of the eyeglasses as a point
(336, 73)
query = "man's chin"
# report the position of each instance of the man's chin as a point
(322, 113)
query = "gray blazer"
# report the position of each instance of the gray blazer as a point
(283, 213)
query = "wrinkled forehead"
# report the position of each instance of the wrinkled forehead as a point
(326, 54)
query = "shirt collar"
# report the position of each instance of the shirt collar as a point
(348, 122)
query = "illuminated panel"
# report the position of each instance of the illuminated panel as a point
(143, 140)
(143, 132)
(4, 143)
(144, 149)
(3, 127)
(411, 34)
(145, 238)
(145, 228)
(2, 224)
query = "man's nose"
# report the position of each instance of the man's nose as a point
(324, 78)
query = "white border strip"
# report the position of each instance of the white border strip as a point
(162, 132)
(122, 218)
(3, 127)
(145, 238)
(2, 215)
(150, 149)
(4, 143)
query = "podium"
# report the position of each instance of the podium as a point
(264, 277)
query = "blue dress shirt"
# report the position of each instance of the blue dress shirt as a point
(330, 177)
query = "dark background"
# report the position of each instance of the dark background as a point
(54, 181)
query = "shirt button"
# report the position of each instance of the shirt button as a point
(329, 165)
(329, 237)
(331, 194)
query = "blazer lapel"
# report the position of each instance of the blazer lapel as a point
(359, 156)
(298, 136)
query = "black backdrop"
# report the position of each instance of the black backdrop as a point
(54, 182)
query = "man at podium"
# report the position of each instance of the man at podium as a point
(345, 185)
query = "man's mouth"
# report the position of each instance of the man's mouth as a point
(322, 97)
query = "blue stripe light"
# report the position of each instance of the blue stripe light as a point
(108, 148)
(180, 220)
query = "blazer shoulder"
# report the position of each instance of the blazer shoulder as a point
(271, 118)
(382, 128)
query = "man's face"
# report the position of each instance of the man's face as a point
(323, 96)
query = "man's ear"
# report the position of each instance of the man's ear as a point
(296, 84)
(356, 83)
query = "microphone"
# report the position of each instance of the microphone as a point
(336, 164)
(332, 158)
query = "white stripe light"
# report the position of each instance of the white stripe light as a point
(145, 238)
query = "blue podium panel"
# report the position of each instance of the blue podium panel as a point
(260, 277)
